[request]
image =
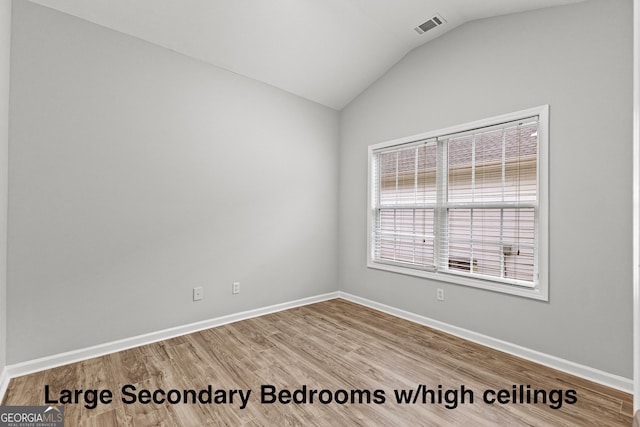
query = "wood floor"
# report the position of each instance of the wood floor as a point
(337, 346)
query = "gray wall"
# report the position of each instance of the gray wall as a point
(137, 173)
(5, 48)
(576, 58)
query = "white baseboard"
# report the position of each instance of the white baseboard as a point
(586, 372)
(4, 382)
(36, 365)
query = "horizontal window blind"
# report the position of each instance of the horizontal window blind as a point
(405, 187)
(463, 203)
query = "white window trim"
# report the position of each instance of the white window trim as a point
(541, 290)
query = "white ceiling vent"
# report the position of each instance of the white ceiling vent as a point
(432, 23)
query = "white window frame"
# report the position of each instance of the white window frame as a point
(540, 290)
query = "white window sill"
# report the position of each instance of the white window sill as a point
(538, 292)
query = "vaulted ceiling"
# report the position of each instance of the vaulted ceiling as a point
(327, 51)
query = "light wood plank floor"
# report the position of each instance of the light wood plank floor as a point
(330, 345)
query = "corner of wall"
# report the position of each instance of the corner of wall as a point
(5, 48)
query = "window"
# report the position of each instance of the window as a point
(466, 205)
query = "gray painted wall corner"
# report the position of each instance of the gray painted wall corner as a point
(5, 49)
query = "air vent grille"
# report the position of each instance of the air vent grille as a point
(432, 23)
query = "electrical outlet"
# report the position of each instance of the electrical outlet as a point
(440, 294)
(235, 289)
(197, 293)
